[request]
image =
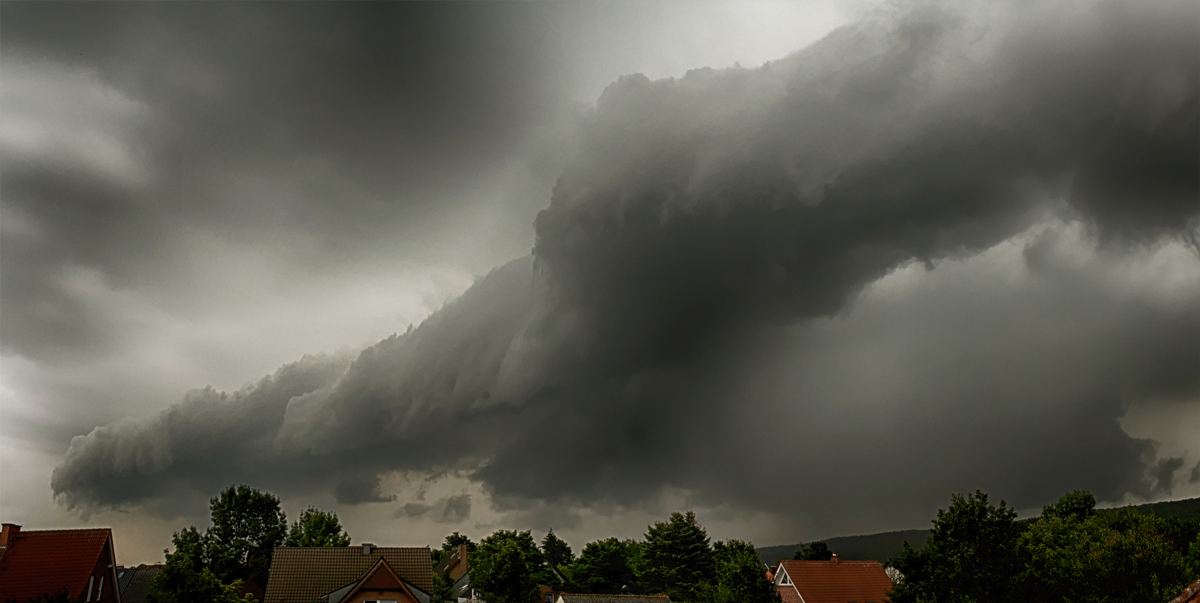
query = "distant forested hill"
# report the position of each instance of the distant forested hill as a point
(886, 545)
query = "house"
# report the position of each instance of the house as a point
(456, 567)
(135, 582)
(569, 598)
(1191, 594)
(349, 575)
(79, 563)
(833, 581)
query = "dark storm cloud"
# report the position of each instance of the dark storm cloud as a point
(452, 509)
(687, 318)
(315, 132)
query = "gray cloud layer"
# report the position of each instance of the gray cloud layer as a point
(689, 318)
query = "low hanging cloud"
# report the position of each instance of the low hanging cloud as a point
(941, 248)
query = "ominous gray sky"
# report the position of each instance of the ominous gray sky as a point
(807, 268)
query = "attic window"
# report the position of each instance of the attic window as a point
(785, 580)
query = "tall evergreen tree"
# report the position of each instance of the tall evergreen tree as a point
(556, 551)
(678, 559)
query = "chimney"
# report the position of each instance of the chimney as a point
(835, 558)
(367, 548)
(8, 531)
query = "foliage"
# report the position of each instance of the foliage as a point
(504, 566)
(186, 577)
(1122, 557)
(1070, 554)
(451, 543)
(606, 566)
(678, 559)
(247, 525)
(317, 528)
(441, 589)
(740, 576)
(815, 551)
(969, 557)
(556, 551)
(1078, 505)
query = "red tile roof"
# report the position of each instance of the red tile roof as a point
(47, 562)
(837, 581)
(1189, 594)
(302, 574)
(575, 598)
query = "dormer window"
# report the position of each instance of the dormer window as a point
(785, 580)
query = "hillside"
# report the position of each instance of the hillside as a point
(885, 545)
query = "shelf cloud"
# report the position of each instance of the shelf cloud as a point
(942, 248)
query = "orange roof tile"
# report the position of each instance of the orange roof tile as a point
(302, 574)
(577, 598)
(1190, 594)
(47, 562)
(837, 581)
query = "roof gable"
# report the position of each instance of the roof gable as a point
(380, 577)
(304, 574)
(48, 562)
(837, 581)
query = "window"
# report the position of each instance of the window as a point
(785, 580)
(91, 581)
(549, 598)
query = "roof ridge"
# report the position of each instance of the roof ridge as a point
(23, 532)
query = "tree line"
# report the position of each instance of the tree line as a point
(976, 553)
(980, 553)
(676, 558)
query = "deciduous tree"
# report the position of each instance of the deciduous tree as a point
(504, 567)
(969, 557)
(317, 528)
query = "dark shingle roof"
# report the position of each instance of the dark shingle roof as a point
(303, 574)
(570, 598)
(47, 562)
(135, 591)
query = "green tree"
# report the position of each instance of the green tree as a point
(247, 525)
(452, 541)
(186, 577)
(441, 589)
(968, 558)
(556, 551)
(741, 577)
(606, 567)
(1078, 505)
(678, 559)
(814, 551)
(1121, 557)
(317, 528)
(503, 568)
